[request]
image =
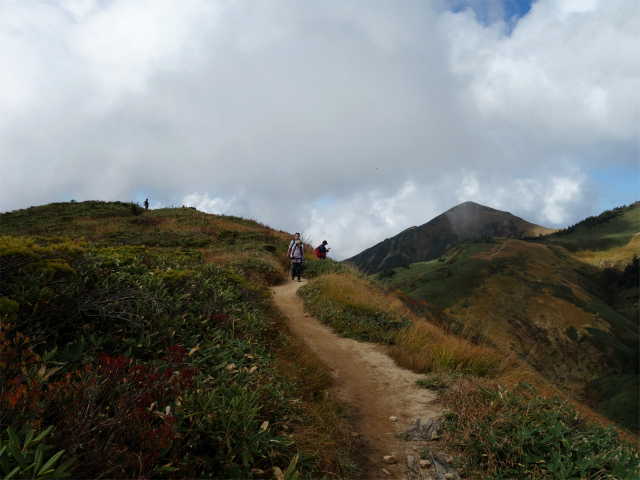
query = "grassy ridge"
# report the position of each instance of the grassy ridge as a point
(608, 231)
(158, 326)
(484, 421)
(537, 301)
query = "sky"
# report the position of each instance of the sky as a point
(346, 120)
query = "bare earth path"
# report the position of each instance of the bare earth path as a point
(370, 382)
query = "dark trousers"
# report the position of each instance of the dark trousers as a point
(296, 269)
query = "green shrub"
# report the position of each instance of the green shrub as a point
(572, 333)
(365, 323)
(438, 381)
(25, 455)
(190, 390)
(266, 271)
(515, 433)
(618, 398)
(315, 268)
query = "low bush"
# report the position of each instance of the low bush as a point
(149, 363)
(515, 433)
(438, 381)
(261, 271)
(355, 308)
(425, 348)
(23, 454)
(315, 268)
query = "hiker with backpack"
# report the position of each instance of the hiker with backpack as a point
(322, 250)
(297, 257)
(292, 243)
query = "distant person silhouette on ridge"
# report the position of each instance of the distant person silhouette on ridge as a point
(146, 204)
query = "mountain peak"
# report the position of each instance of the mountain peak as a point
(432, 239)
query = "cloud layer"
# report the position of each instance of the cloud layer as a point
(349, 121)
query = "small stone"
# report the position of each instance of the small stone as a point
(384, 470)
(355, 434)
(390, 459)
(448, 476)
(435, 436)
(393, 419)
(425, 463)
(278, 473)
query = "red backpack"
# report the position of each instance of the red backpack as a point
(318, 254)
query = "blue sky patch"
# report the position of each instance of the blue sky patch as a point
(491, 11)
(617, 186)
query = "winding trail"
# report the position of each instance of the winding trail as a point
(370, 382)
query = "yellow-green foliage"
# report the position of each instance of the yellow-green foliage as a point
(515, 432)
(166, 310)
(52, 253)
(8, 307)
(173, 278)
(424, 348)
(618, 257)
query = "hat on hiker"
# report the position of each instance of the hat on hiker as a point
(324, 242)
(298, 242)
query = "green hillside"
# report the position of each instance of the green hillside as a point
(610, 230)
(144, 344)
(574, 321)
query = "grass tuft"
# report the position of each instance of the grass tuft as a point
(426, 348)
(514, 432)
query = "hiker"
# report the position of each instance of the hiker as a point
(292, 243)
(322, 250)
(297, 257)
(146, 204)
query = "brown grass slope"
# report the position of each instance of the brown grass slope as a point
(570, 313)
(429, 241)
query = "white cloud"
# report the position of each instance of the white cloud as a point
(568, 72)
(393, 111)
(549, 200)
(469, 187)
(203, 203)
(559, 197)
(361, 220)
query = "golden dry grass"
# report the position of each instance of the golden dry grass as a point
(425, 348)
(616, 257)
(355, 293)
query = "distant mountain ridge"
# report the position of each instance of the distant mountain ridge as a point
(429, 241)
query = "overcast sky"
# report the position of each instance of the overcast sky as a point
(345, 120)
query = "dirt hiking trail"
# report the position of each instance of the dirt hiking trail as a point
(370, 382)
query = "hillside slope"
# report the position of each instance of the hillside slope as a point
(576, 322)
(429, 241)
(158, 326)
